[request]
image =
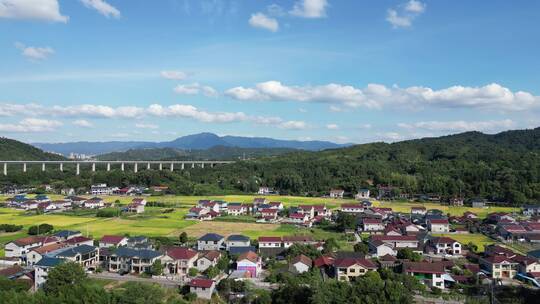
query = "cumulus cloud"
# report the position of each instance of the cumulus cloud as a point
(29, 125)
(34, 53)
(194, 89)
(42, 10)
(460, 126)
(492, 96)
(275, 10)
(309, 8)
(260, 20)
(83, 123)
(332, 126)
(102, 7)
(404, 15)
(173, 75)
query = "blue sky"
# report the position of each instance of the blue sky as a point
(345, 71)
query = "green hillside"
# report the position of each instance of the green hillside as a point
(15, 150)
(214, 153)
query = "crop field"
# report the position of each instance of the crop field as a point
(156, 222)
(479, 240)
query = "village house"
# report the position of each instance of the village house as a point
(112, 241)
(348, 269)
(20, 247)
(84, 255)
(94, 203)
(266, 191)
(269, 214)
(300, 264)
(203, 288)
(210, 241)
(178, 260)
(135, 207)
(531, 210)
(478, 203)
(470, 215)
(79, 240)
(259, 201)
(397, 241)
(209, 205)
(64, 235)
(36, 254)
(130, 260)
(379, 212)
(443, 246)
(372, 225)
(29, 205)
(249, 262)
(237, 240)
(236, 209)
(362, 194)
(438, 225)
(276, 205)
(306, 209)
(101, 189)
(207, 259)
(42, 268)
(429, 273)
(298, 219)
(352, 208)
(337, 193)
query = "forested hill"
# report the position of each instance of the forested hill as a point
(503, 167)
(214, 153)
(15, 150)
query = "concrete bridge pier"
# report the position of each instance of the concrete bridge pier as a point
(108, 167)
(183, 165)
(61, 167)
(93, 167)
(147, 166)
(160, 166)
(172, 167)
(135, 168)
(24, 167)
(78, 169)
(122, 167)
(5, 168)
(192, 165)
(202, 165)
(43, 167)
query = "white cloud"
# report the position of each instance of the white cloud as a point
(173, 75)
(404, 15)
(31, 125)
(102, 7)
(302, 110)
(34, 53)
(415, 6)
(194, 89)
(293, 125)
(43, 10)
(260, 20)
(365, 126)
(309, 8)
(146, 126)
(335, 109)
(332, 126)
(390, 136)
(83, 123)
(492, 96)
(460, 126)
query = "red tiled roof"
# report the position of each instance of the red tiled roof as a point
(443, 240)
(372, 221)
(78, 239)
(352, 206)
(29, 240)
(394, 238)
(250, 256)
(438, 221)
(201, 283)
(423, 267)
(180, 253)
(348, 262)
(297, 216)
(323, 261)
(212, 255)
(302, 259)
(268, 210)
(269, 239)
(112, 239)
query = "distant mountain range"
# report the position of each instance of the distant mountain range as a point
(201, 141)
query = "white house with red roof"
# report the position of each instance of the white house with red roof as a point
(432, 274)
(306, 209)
(299, 219)
(80, 240)
(269, 214)
(443, 246)
(270, 242)
(237, 209)
(337, 193)
(372, 225)
(348, 269)
(203, 288)
(418, 210)
(352, 208)
(276, 205)
(438, 225)
(251, 262)
(140, 201)
(112, 241)
(20, 247)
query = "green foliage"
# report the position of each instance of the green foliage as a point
(15, 150)
(139, 293)
(183, 238)
(211, 272)
(190, 296)
(345, 221)
(157, 268)
(40, 229)
(307, 250)
(10, 228)
(63, 277)
(408, 254)
(330, 245)
(16, 285)
(361, 247)
(108, 212)
(193, 272)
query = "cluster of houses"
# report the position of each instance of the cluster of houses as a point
(43, 203)
(262, 209)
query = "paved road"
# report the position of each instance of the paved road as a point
(131, 278)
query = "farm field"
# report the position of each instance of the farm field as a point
(479, 240)
(156, 223)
